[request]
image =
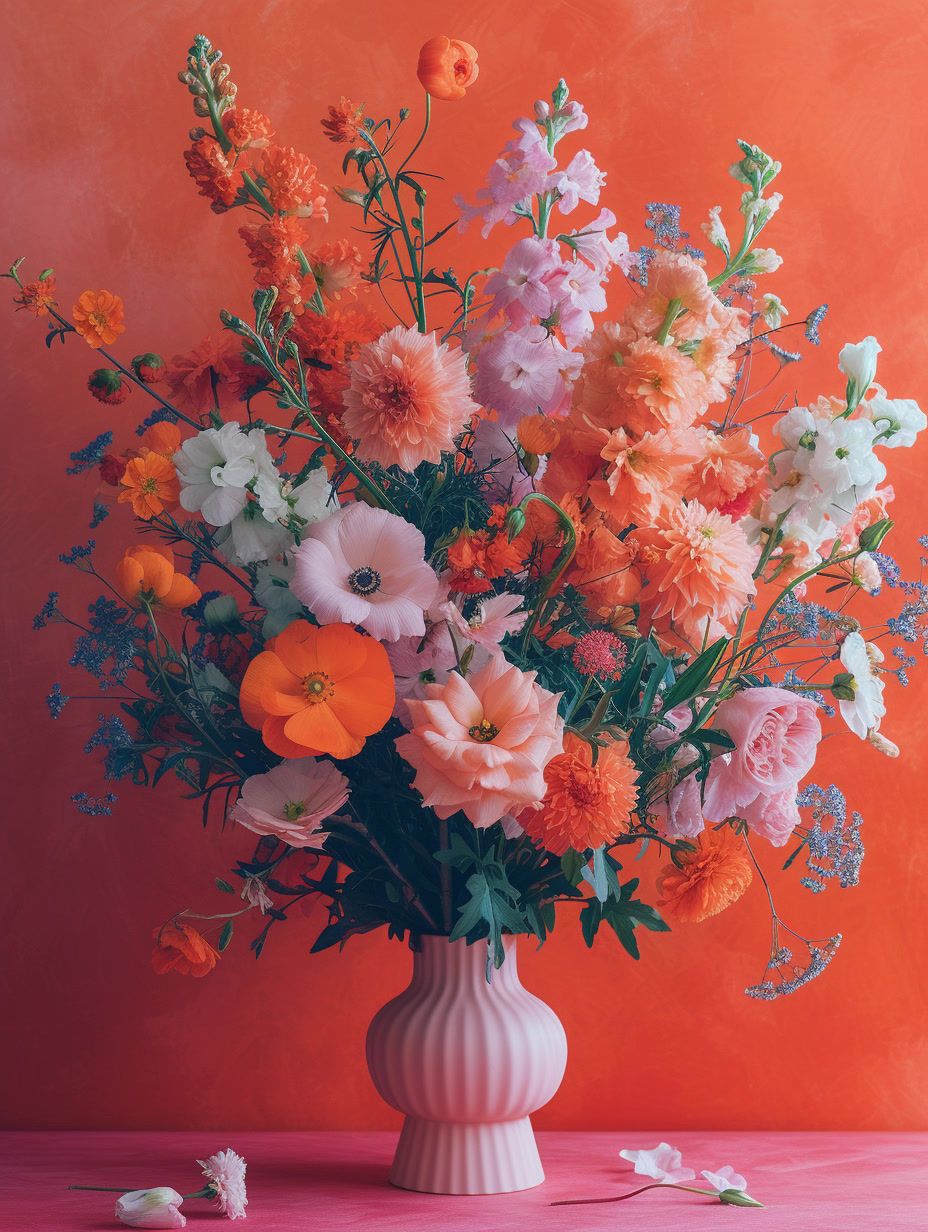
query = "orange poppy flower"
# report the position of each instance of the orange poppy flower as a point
(162, 438)
(538, 434)
(150, 485)
(708, 879)
(179, 947)
(447, 67)
(318, 690)
(148, 573)
(98, 317)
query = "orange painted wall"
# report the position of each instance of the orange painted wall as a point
(93, 184)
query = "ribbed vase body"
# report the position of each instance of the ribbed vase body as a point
(467, 1061)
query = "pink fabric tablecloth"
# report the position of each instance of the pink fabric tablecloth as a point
(300, 1182)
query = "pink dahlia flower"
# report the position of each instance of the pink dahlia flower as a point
(481, 745)
(409, 397)
(366, 567)
(292, 800)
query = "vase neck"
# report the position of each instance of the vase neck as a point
(436, 960)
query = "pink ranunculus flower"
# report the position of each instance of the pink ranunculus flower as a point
(776, 735)
(151, 1208)
(364, 566)
(481, 745)
(291, 801)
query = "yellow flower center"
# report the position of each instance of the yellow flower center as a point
(318, 687)
(483, 732)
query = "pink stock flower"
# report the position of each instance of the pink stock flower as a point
(525, 276)
(594, 246)
(507, 481)
(408, 398)
(421, 661)
(493, 618)
(365, 567)
(291, 801)
(481, 745)
(520, 372)
(580, 180)
(577, 292)
(520, 171)
(225, 1176)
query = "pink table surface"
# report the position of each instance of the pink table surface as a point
(299, 1182)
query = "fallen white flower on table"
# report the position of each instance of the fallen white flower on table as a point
(662, 1163)
(151, 1208)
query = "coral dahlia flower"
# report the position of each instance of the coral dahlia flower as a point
(99, 317)
(480, 745)
(150, 485)
(584, 805)
(179, 947)
(408, 399)
(698, 565)
(708, 879)
(318, 690)
(147, 574)
(366, 567)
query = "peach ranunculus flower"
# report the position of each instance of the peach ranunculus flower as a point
(480, 745)
(447, 67)
(180, 947)
(665, 382)
(584, 805)
(642, 476)
(707, 880)
(697, 565)
(729, 473)
(409, 398)
(150, 484)
(147, 573)
(99, 317)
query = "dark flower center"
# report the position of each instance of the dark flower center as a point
(364, 581)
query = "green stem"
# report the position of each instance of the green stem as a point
(422, 135)
(673, 311)
(707, 1193)
(560, 564)
(416, 272)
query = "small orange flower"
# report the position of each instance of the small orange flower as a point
(98, 317)
(538, 434)
(585, 805)
(708, 879)
(477, 557)
(344, 123)
(162, 438)
(150, 485)
(447, 67)
(290, 182)
(37, 297)
(245, 127)
(147, 573)
(337, 267)
(215, 177)
(179, 947)
(318, 690)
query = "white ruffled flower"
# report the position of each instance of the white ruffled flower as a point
(216, 469)
(258, 532)
(225, 1176)
(763, 261)
(898, 421)
(662, 1163)
(866, 708)
(857, 360)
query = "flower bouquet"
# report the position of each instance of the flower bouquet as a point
(457, 592)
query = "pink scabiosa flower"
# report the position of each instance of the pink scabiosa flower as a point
(698, 566)
(600, 653)
(225, 1177)
(291, 801)
(481, 745)
(409, 397)
(366, 567)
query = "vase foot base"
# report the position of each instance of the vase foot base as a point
(448, 1158)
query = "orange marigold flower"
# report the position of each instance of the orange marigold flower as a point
(215, 177)
(107, 385)
(344, 123)
(585, 804)
(318, 689)
(290, 182)
(147, 573)
(447, 67)
(707, 880)
(538, 434)
(179, 947)
(37, 297)
(150, 485)
(98, 317)
(245, 127)
(476, 558)
(215, 366)
(337, 267)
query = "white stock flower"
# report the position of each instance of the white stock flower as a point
(772, 310)
(763, 261)
(898, 421)
(857, 360)
(662, 1163)
(715, 232)
(866, 708)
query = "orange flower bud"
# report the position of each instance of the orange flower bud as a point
(447, 67)
(538, 434)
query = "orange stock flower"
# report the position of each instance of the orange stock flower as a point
(215, 177)
(318, 690)
(179, 947)
(708, 879)
(447, 67)
(245, 127)
(150, 484)
(148, 573)
(98, 317)
(344, 123)
(290, 182)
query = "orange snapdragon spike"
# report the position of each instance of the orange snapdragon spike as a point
(150, 484)
(179, 947)
(99, 317)
(447, 67)
(148, 572)
(318, 690)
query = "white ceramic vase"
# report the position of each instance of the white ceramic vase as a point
(467, 1061)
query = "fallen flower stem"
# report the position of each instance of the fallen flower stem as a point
(707, 1193)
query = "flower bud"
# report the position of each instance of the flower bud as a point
(151, 1208)
(872, 536)
(107, 385)
(515, 523)
(149, 368)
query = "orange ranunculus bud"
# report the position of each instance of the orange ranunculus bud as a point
(149, 368)
(107, 385)
(447, 67)
(149, 572)
(538, 434)
(179, 947)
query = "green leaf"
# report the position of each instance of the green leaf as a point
(225, 936)
(571, 864)
(691, 682)
(224, 886)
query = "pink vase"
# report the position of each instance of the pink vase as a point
(467, 1062)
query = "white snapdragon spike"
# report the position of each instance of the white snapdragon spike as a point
(151, 1208)
(715, 232)
(857, 360)
(216, 467)
(898, 421)
(772, 310)
(662, 1163)
(863, 711)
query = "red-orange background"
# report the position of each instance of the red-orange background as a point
(93, 184)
